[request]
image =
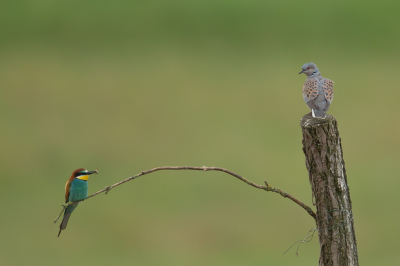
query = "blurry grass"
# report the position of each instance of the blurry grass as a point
(126, 87)
(313, 26)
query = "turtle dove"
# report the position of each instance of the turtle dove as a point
(317, 91)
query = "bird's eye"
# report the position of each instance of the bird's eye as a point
(308, 67)
(80, 173)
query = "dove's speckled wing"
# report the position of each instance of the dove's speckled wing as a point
(310, 90)
(328, 90)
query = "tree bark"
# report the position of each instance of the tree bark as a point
(324, 160)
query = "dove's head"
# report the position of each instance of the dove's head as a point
(309, 69)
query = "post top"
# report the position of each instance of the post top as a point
(308, 120)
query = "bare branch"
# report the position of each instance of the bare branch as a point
(65, 206)
(267, 187)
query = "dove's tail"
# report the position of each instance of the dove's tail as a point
(318, 113)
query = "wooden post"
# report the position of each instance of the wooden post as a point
(324, 160)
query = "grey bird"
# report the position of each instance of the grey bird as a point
(317, 91)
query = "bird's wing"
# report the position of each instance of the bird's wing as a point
(67, 187)
(328, 90)
(310, 90)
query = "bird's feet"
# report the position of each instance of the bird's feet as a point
(66, 205)
(70, 203)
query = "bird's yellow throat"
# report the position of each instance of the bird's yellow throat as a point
(83, 177)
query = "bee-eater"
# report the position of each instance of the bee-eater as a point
(76, 189)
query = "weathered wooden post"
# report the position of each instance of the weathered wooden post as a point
(324, 160)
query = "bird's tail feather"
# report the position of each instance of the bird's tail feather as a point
(64, 222)
(318, 113)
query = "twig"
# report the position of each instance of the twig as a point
(309, 237)
(65, 206)
(267, 187)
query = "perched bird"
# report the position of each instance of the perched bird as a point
(317, 91)
(76, 189)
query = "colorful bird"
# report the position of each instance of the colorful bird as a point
(317, 91)
(76, 189)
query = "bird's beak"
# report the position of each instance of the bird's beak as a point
(301, 72)
(92, 172)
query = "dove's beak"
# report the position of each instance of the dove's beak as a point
(301, 72)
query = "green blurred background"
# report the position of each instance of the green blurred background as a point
(125, 86)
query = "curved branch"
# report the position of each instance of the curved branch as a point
(267, 187)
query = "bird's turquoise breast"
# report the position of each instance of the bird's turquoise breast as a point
(78, 190)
